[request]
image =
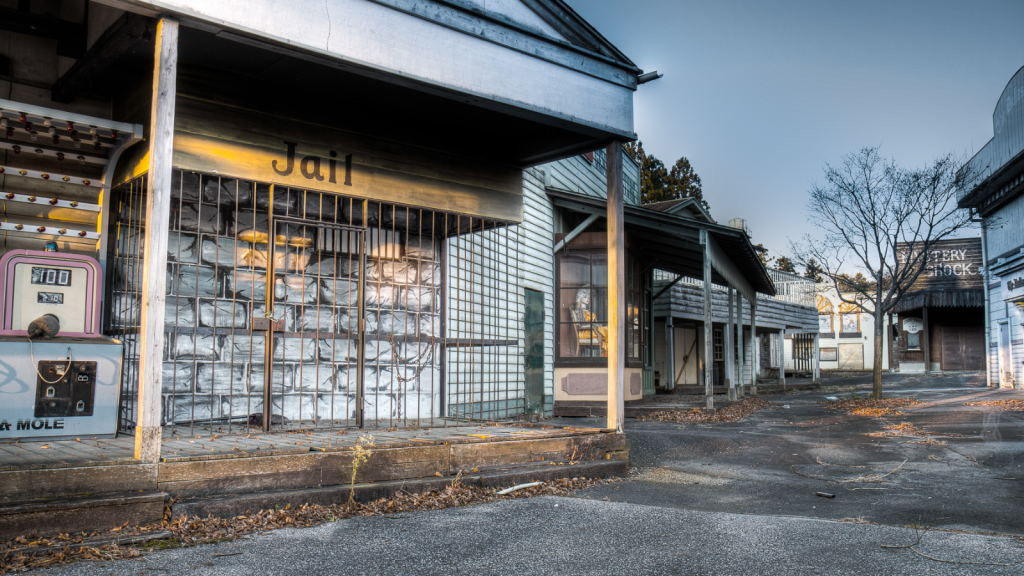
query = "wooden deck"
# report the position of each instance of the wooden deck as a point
(181, 445)
(95, 483)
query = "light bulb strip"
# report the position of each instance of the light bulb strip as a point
(70, 154)
(50, 176)
(48, 230)
(49, 201)
(37, 115)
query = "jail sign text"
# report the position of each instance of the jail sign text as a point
(309, 166)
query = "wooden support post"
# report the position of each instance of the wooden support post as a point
(730, 352)
(158, 208)
(816, 361)
(616, 289)
(709, 336)
(670, 353)
(741, 347)
(780, 352)
(927, 340)
(893, 360)
(755, 349)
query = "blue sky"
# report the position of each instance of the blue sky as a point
(760, 94)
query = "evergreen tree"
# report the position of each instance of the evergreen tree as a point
(784, 264)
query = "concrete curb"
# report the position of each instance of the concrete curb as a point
(230, 506)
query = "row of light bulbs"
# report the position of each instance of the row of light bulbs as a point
(6, 126)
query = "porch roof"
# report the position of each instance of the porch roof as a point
(942, 298)
(532, 76)
(672, 243)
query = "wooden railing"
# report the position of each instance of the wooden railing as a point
(789, 288)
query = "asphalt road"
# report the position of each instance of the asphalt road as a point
(722, 499)
(970, 478)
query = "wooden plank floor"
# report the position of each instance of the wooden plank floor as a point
(183, 444)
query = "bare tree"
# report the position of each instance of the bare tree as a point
(880, 221)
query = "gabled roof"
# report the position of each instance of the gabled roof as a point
(560, 16)
(677, 206)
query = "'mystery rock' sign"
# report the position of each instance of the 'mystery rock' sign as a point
(954, 263)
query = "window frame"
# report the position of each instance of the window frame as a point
(636, 320)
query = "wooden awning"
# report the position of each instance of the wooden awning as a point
(672, 243)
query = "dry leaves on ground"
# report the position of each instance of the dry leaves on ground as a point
(731, 413)
(873, 408)
(1002, 405)
(908, 429)
(25, 553)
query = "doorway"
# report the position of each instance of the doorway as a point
(1005, 356)
(963, 348)
(851, 356)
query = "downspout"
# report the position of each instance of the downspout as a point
(988, 317)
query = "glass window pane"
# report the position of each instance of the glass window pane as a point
(850, 323)
(824, 323)
(575, 270)
(914, 341)
(599, 270)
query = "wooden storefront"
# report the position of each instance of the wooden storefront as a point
(942, 318)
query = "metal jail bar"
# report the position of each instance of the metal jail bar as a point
(291, 309)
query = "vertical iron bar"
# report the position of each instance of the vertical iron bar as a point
(268, 345)
(360, 323)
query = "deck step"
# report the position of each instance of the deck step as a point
(87, 513)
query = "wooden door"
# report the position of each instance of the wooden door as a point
(974, 347)
(851, 356)
(952, 348)
(963, 348)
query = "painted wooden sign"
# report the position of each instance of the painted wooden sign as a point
(913, 325)
(241, 143)
(950, 264)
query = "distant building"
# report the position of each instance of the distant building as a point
(998, 198)
(942, 317)
(846, 333)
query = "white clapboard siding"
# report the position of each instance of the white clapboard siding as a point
(582, 176)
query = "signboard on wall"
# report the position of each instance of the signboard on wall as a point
(954, 263)
(1013, 288)
(913, 325)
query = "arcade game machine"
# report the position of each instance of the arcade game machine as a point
(59, 375)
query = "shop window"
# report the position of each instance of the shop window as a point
(850, 322)
(583, 307)
(825, 323)
(914, 341)
(825, 320)
(849, 317)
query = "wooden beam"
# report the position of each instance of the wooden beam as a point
(781, 353)
(575, 232)
(122, 36)
(670, 353)
(730, 352)
(755, 348)
(927, 341)
(741, 344)
(158, 208)
(669, 286)
(816, 358)
(616, 290)
(709, 336)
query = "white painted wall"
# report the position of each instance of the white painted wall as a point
(867, 338)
